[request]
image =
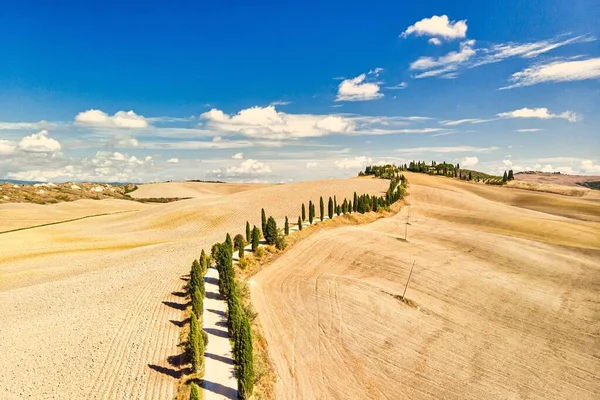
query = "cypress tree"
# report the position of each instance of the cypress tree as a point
(505, 177)
(338, 210)
(248, 232)
(271, 233)
(197, 302)
(299, 224)
(195, 344)
(354, 205)
(194, 392)
(310, 212)
(255, 238)
(263, 218)
(234, 316)
(330, 208)
(204, 262)
(335, 202)
(470, 176)
(245, 360)
(511, 176)
(239, 243)
(350, 209)
(229, 242)
(303, 213)
(321, 208)
(286, 228)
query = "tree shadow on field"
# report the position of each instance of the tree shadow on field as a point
(177, 306)
(180, 324)
(227, 392)
(172, 372)
(217, 332)
(179, 294)
(179, 360)
(212, 280)
(213, 295)
(218, 312)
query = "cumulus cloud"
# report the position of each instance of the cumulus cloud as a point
(173, 160)
(356, 89)
(247, 168)
(121, 119)
(439, 26)
(39, 143)
(541, 113)
(238, 156)
(353, 163)
(558, 71)
(446, 64)
(435, 41)
(7, 147)
(468, 161)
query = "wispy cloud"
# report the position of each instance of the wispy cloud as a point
(450, 149)
(400, 86)
(558, 71)
(444, 64)
(528, 130)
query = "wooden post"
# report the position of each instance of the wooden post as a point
(408, 280)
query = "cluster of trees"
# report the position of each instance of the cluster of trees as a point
(443, 169)
(238, 321)
(388, 171)
(197, 338)
(508, 177)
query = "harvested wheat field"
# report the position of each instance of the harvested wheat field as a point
(91, 308)
(504, 300)
(191, 189)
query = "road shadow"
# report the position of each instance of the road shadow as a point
(218, 312)
(172, 372)
(222, 324)
(180, 324)
(217, 332)
(222, 359)
(213, 295)
(177, 306)
(212, 280)
(226, 392)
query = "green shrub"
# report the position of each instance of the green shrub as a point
(243, 263)
(195, 392)
(260, 253)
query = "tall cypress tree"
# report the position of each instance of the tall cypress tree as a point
(263, 218)
(255, 238)
(505, 177)
(229, 242)
(194, 392)
(310, 212)
(271, 234)
(195, 344)
(239, 244)
(248, 232)
(286, 228)
(330, 208)
(245, 360)
(354, 205)
(511, 175)
(197, 302)
(335, 202)
(299, 224)
(303, 212)
(321, 208)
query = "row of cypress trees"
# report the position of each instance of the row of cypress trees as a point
(238, 322)
(197, 338)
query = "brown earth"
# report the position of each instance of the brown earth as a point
(92, 308)
(505, 300)
(556, 179)
(51, 193)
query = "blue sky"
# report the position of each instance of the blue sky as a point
(285, 92)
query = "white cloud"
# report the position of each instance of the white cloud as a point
(541, 113)
(450, 149)
(245, 168)
(528, 130)
(173, 160)
(121, 119)
(280, 103)
(503, 51)
(7, 147)
(401, 85)
(353, 163)
(468, 161)
(589, 167)
(238, 156)
(16, 126)
(558, 71)
(356, 89)
(444, 64)
(439, 26)
(116, 156)
(464, 121)
(376, 71)
(311, 164)
(39, 143)
(435, 41)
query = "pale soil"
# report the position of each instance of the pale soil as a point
(219, 374)
(507, 293)
(556, 179)
(10, 193)
(566, 190)
(22, 215)
(91, 308)
(191, 189)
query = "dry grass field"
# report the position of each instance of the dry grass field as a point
(505, 300)
(90, 309)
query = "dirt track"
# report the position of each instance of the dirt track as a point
(507, 291)
(91, 308)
